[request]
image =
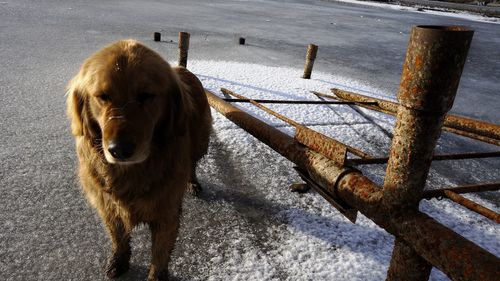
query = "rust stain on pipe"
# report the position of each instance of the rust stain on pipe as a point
(329, 147)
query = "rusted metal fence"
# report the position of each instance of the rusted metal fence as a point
(431, 73)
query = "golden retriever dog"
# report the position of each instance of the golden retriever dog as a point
(140, 127)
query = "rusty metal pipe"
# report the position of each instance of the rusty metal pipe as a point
(290, 101)
(318, 94)
(447, 250)
(420, 267)
(431, 73)
(477, 129)
(434, 62)
(350, 96)
(433, 193)
(183, 48)
(438, 157)
(473, 206)
(474, 126)
(472, 136)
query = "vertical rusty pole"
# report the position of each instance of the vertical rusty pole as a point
(434, 62)
(183, 48)
(312, 50)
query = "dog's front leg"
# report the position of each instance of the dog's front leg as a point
(118, 263)
(194, 187)
(163, 236)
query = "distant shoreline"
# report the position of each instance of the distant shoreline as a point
(490, 11)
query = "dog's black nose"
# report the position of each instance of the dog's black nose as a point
(121, 149)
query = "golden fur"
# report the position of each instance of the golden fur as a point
(126, 93)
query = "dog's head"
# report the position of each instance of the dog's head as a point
(122, 98)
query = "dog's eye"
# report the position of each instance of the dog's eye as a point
(143, 97)
(104, 97)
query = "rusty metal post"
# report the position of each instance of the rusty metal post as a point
(312, 50)
(183, 48)
(434, 62)
(420, 268)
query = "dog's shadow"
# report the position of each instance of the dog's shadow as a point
(235, 188)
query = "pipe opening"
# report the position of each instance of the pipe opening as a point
(445, 27)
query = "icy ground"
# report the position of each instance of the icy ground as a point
(424, 9)
(246, 225)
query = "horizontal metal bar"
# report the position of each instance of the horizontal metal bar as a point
(433, 193)
(476, 129)
(448, 251)
(328, 144)
(439, 157)
(266, 109)
(473, 126)
(368, 105)
(473, 206)
(472, 136)
(291, 101)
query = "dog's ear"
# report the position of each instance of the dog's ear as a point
(74, 107)
(78, 111)
(180, 107)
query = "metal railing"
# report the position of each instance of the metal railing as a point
(431, 72)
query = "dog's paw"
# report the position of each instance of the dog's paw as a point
(158, 275)
(117, 265)
(299, 187)
(194, 188)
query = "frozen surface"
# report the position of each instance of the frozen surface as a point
(246, 225)
(435, 11)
